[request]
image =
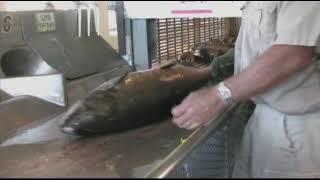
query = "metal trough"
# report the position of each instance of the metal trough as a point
(42, 71)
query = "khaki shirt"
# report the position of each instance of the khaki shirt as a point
(265, 23)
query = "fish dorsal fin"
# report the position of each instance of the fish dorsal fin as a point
(111, 82)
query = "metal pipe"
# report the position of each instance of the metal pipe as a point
(98, 21)
(174, 158)
(88, 19)
(79, 21)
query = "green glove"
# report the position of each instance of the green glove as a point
(223, 66)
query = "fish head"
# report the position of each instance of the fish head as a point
(85, 118)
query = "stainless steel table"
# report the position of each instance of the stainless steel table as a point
(151, 151)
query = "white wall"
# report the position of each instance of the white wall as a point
(107, 25)
(168, 9)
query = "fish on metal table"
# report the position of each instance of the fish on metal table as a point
(133, 100)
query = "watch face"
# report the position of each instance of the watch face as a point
(224, 91)
(228, 94)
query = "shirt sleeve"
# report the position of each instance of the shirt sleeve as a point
(298, 23)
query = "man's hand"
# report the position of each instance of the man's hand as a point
(274, 66)
(198, 108)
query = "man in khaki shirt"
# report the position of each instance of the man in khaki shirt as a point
(276, 66)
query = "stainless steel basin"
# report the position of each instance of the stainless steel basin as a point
(24, 62)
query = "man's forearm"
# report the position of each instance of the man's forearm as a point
(274, 66)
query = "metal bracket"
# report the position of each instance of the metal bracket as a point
(96, 15)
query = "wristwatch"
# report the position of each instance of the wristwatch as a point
(225, 93)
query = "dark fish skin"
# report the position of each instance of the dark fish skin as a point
(133, 100)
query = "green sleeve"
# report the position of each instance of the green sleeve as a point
(223, 66)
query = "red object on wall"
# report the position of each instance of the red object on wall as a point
(200, 11)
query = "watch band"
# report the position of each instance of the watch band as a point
(225, 93)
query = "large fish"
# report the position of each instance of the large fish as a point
(133, 100)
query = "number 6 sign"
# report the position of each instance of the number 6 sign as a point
(7, 24)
